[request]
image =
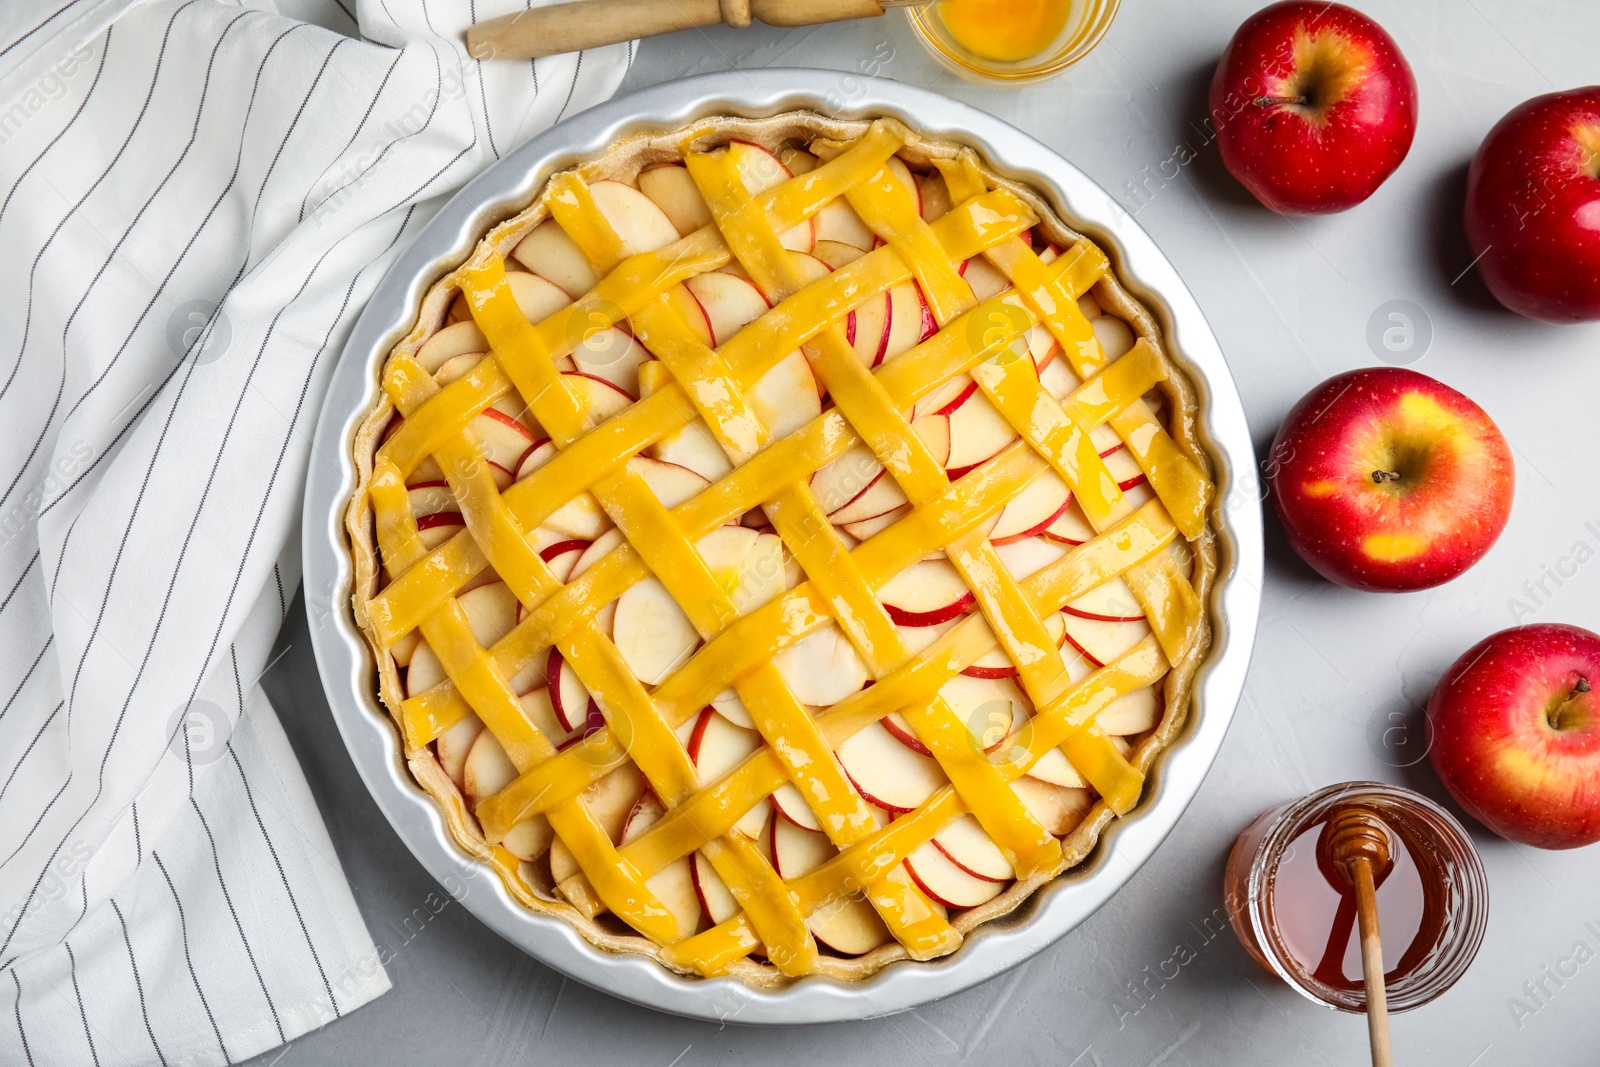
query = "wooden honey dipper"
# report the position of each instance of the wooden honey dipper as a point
(1355, 842)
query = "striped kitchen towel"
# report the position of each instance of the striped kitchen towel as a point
(196, 199)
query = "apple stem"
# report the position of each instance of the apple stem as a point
(1269, 101)
(1379, 477)
(1568, 714)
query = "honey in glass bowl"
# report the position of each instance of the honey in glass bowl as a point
(1297, 916)
(1011, 41)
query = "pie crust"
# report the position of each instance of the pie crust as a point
(857, 598)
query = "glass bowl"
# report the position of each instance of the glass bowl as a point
(1086, 24)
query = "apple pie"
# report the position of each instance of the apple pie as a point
(784, 546)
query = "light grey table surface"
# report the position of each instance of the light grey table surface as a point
(1154, 977)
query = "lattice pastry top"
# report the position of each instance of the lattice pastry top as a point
(784, 546)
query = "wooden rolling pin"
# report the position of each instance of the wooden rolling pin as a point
(548, 31)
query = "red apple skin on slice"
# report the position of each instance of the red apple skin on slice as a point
(886, 772)
(788, 802)
(946, 882)
(716, 900)
(927, 593)
(1071, 527)
(977, 432)
(1030, 513)
(970, 848)
(902, 732)
(563, 556)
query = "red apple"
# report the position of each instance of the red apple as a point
(1314, 106)
(1533, 207)
(1386, 479)
(1516, 734)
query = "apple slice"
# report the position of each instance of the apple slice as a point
(491, 611)
(671, 189)
(462, 338)
(652, 633)
(600, 398)
(935, 433)
(822, 668)
(792, 806)
(717, 746)
(716, 900)
(551, 254)
(991, 708)
(881, 496)
(1123, 467)
(453, 745)
(671, 483)
(1114, 335)
(580, 517)
(1058, 379)
(1058, 808)
(996, 664)
(836, 254)
(867, 529)
(754, 578)
(432, 498)
(786, 398)
(729, 303)
(694, 447)
(903, 175)
(939, 877)
(910, 320)
(1028, 555)
(613, 356)
(693, 315)
(641, 225)
(1031, 511)
(935, 196)
(537, 298)
(977, 432)
(530, 839)
(597, 551)
(612, 799)
(847, 924)
(503, 440)
(920, 637)
(985, 280)
(925, 594)
(1110, 601)
(487, 769)
(674, 884)
(902, 732)
(886, 772)
(1103, 642)
(867, 328)
(760, 170)
(843, 480)
(797, 852)
(1132, 713)
(838, 221)
(403, 649)
(969, 848)
(541, 711)
(570, 699)
(424, 671)
(798, 160)
(730, 707)
(562, 557)
(1055, 768)
(1071, 527)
